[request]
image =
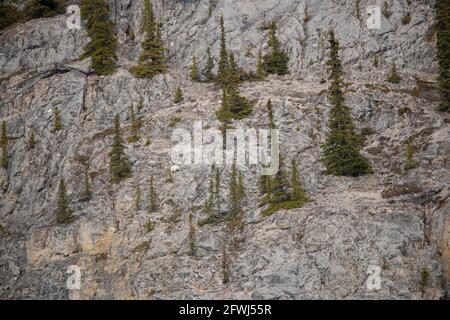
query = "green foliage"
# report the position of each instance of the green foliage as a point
(443, 51)
(236, 192)
(135, 126)
(223, 59)
(341, 151)
(120, 166)
(9, 15)
(31, 140)
(4, 146)
(44, 8)
(424, 277)
(212, 204)
(410, 152)
(393, 76)
(260, 72)
(225, 265)
(191, 236)
(64, 213)
(152, 60)
(376, 63)
(385, 10)
(207, 70)
(149, 226)
(195, 75)
(276, 61)
(57, 124)
(406, 19)
(270, 114)
(87, 190)
(153, 205)
(178, 95)
(103, 45)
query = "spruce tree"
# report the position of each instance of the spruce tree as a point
(270, 114)
(443, 52)
(120, 166)
(393, 75)
(410, 161)
(298, 193)
(4, 146)
(103, 45)
(207, 71)
(87, 190)
(64, 213)
(260, 72)
(31, 140)
(276, 61)
(152, 197)
(234, 193)
(135, 127)
(191, 235)
(57, 124)
(178, 95)
(152, 60)
(341, 151)
(195, 75)
(223, 59)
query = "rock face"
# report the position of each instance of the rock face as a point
(394, 220)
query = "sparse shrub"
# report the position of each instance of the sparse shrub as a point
(149, 226)
(31, 140)
(57, 124)
(423, 279)
(443, 52)
(178, 95)
(191, 236)
(406, 19)
(393, 76)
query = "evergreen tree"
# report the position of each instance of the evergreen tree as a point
(443, 51)
(152, 60)
(31, 140)
(393, 75)
(223, 59)
(120, 166)
(375, 61)
(87, 190)
(276, 61)
(178, 95)
(207, 71)
(341, 151)
(57, 125)
(4, 146)
(298, 193)
(260, 72)
(137, 198)
(270, 114)
(64, 213)
(135, 127)
(194, 70)
(103, 45)
(152, 197)
(191, 235)
(234, 192)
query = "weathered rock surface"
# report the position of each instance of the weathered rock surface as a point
(322, 250)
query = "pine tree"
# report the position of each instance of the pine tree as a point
(298, 193)
(341, 151)
(443, 51)
(276, 61)
(234, 192)
(152, 197)
(57, 125)
(135, 127)
(31, 140)
(87, 190)
(152, 60)
(103, 45)
(270, 114)
(207, 71)
(260, 72)
(64, 213)
(120, 166)
(393, 75)
(194, 70)
(178, 95)
(223, 60)
(191, 236)
(4, 146)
